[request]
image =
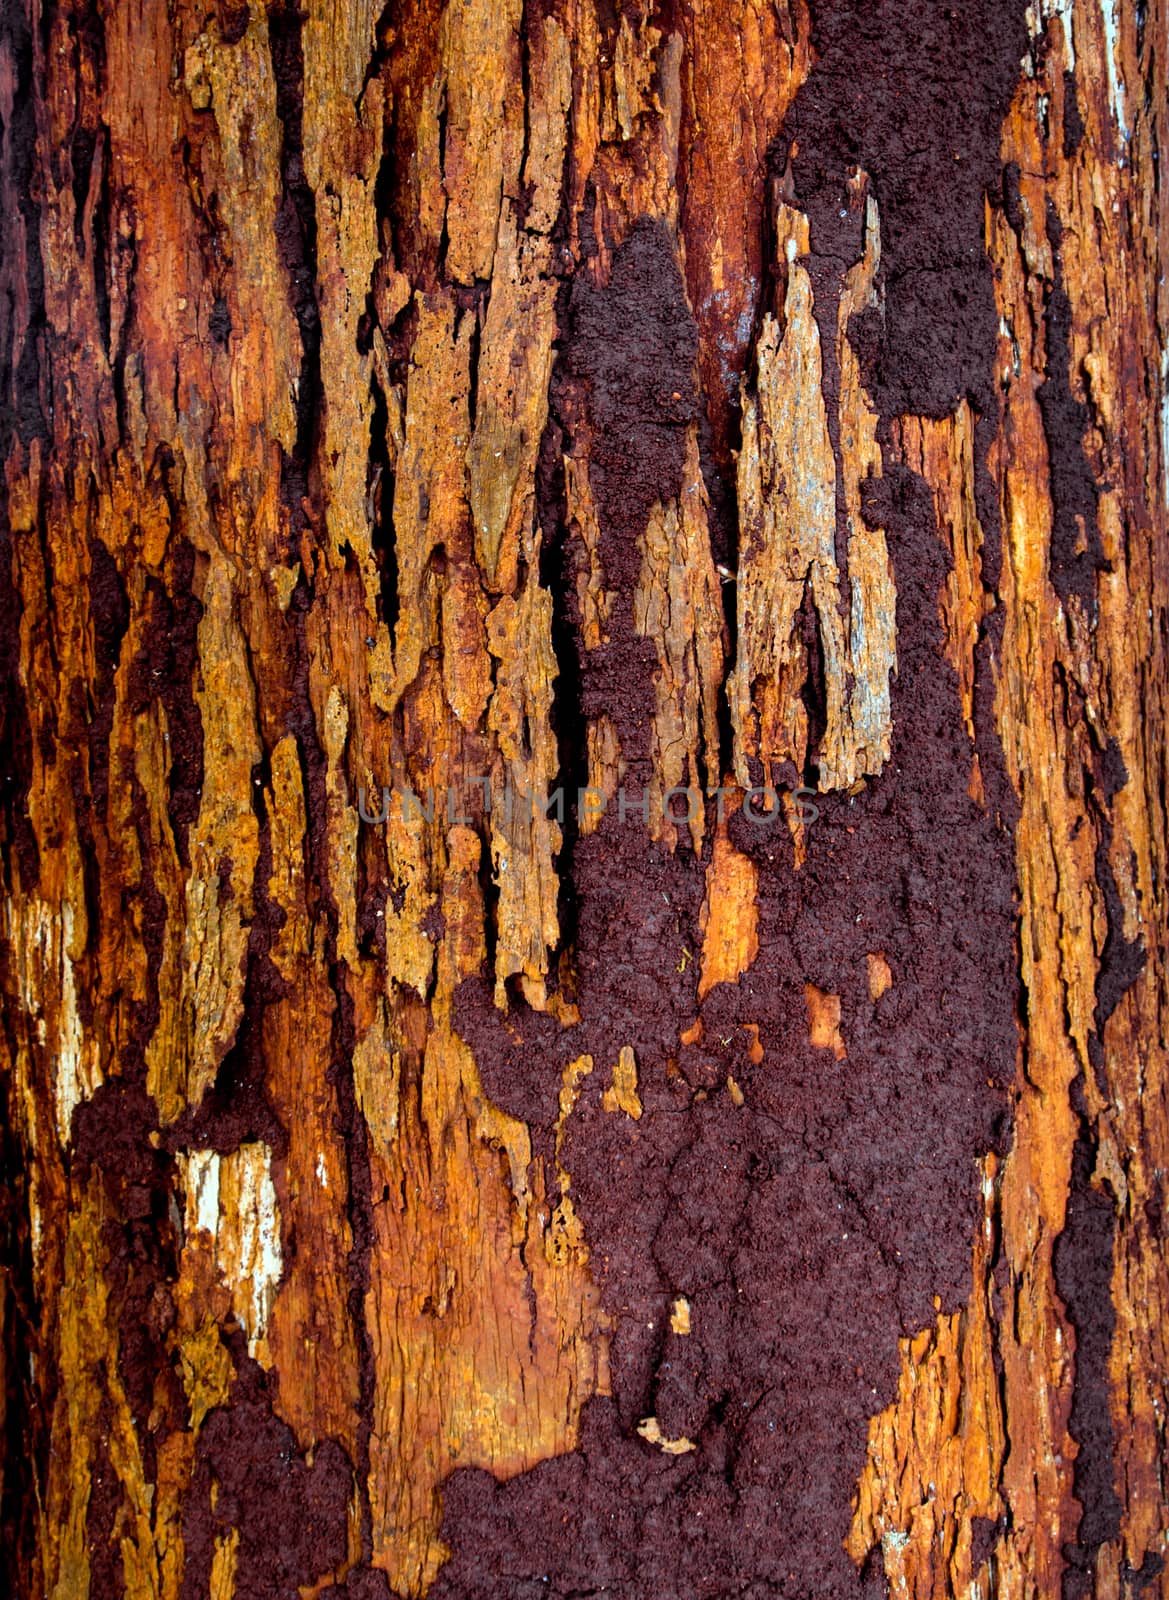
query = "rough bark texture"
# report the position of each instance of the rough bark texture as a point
(480, 400)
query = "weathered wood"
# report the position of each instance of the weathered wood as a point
(475, 401)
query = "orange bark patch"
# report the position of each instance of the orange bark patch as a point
(824, 1021)
(880, 975)
(622, 1094)
(730, 916)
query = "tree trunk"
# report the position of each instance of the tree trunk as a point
(585, 669)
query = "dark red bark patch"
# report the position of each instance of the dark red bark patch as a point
(363, 1583)
(106, 1575)
(1076, 550)
(291, 1516)
(815, 1225)
(631, 355)
(1083, 1273)
(915, 96)
(809, 1229)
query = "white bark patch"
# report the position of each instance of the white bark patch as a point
(202, 1186)
(73, 1082)
(1115, 82)
(41, 938)
(1063, 10)
(232, 1201)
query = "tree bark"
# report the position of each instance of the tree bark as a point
(584, 672)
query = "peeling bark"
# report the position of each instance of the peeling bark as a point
(583, 603)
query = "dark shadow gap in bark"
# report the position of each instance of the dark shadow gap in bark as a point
(379, 490)
(296, 240)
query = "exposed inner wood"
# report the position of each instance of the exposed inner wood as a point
(305, 500)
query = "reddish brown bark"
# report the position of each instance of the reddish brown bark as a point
(758, 1192)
